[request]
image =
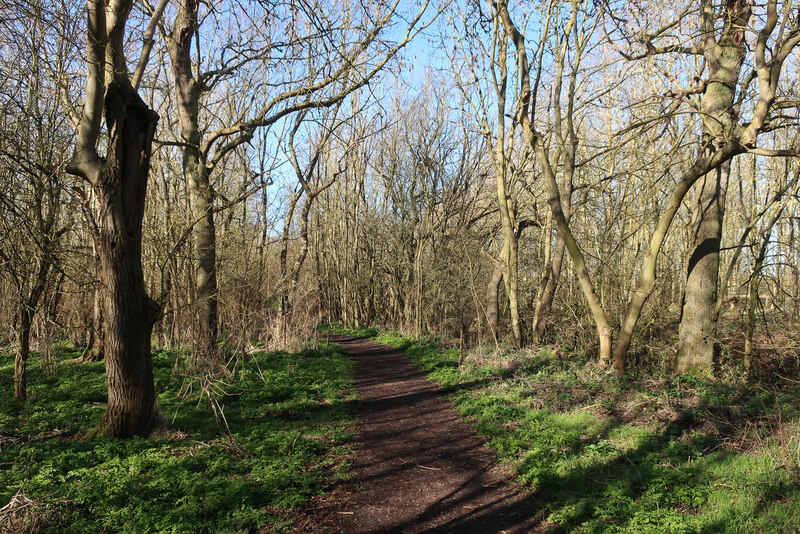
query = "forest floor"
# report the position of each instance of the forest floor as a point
(418, 466)
(281, 435)
(578, 449)
(416, 437)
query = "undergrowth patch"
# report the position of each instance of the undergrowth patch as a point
(281, 436)
(631, 454)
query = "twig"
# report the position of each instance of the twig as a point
(785, 378)
(295, 439)
(429, 468)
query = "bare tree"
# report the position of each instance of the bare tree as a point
(725, 39)
(119, 183)
(486, 76)
(313, 178)
(718, 145)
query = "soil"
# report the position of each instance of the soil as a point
(418, 466)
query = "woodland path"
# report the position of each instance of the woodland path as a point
(418, 466)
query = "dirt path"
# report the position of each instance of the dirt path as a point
(418, 467)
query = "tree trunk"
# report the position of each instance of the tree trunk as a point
(492, 301)
(287, 278)
(752, 304)
(204, 233)
(302, 253)
(21, 358)
(509, 255)
(719, 117)
(511, 279)
(575, 254)
(753, 299)
(196, 174)
(27, 309)
(129, 312)
(119, 184)
(535, 142)
(554, 262)
(94, 351)
(544, 302)
(163, 327)
(493, 297)
(697, 333)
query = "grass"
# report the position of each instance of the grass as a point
(632, 454)
(284, 436)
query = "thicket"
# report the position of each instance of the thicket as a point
(381, 206)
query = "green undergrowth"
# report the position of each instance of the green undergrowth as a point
(633, 454)
(279, 435)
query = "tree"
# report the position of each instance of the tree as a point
(724, 55)
(570, 50)
(118, 181)
(486, 66)
(312, 181)
(724, 40)
(717, 146)
(525, 114)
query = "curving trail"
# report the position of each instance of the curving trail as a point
(418, 467)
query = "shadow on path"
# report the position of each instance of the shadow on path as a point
(418, 467)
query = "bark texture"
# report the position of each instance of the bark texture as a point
(697, 333)
(196, 173)
(129, 312)
(696, 337)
